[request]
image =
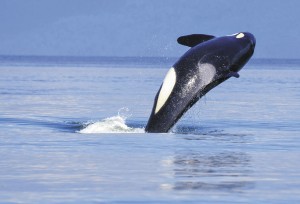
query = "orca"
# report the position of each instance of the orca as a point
(209, 61)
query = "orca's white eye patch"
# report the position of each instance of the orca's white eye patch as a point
(240, 35)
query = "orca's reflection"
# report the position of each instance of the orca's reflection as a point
(219, 171)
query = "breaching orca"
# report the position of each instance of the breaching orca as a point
(210, 61)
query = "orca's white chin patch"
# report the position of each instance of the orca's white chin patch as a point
(166, 89)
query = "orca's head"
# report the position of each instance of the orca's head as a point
(246, 43)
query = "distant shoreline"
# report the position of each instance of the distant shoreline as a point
(31, 60)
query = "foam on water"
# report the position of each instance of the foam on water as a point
(115, 124)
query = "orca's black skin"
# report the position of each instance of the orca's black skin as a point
(216, 58)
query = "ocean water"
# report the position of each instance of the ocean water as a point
(72, 131)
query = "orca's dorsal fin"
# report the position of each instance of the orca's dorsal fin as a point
(194, 39)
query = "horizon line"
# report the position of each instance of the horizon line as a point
(104, 56)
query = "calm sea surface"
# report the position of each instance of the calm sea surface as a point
(71, 131)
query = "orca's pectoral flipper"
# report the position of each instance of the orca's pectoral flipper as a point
(194, 39)
(233, 74)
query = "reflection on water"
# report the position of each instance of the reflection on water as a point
(223, 171)
(200, 130)
(225, 186)
(210, 170)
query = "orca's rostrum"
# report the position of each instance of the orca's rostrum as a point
(210, 61)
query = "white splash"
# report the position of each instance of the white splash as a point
(115, 124)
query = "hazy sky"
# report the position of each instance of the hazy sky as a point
(143, 28)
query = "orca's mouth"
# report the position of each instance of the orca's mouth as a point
(253, 41)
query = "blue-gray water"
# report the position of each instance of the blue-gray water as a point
(63, 138)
